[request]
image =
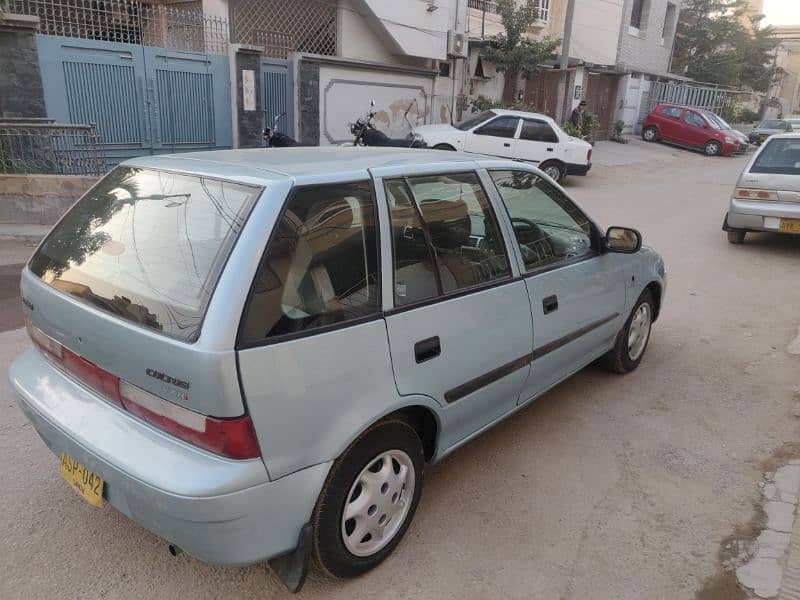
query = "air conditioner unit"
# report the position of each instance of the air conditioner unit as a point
(456, 44)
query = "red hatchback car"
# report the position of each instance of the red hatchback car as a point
(690, 127)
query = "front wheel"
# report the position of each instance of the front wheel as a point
(712, 148)
(553, 170)
(369, 499)
(632, 340)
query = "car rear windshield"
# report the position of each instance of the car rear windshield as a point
(779, 156)
(147, 246)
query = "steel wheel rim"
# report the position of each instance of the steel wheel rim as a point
(712, 148)
(552, 172)
(639, 331)
(378, 503)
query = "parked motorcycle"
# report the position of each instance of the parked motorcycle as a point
(366, 134)
(275, 139)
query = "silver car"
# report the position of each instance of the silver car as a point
(256, 354)
(767, 193)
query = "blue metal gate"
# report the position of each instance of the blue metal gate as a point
(144, 100)
(277, 94)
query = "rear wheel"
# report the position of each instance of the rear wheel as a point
(369, 499)
(712, 148)
(650, 134)
(444, 147)
(736, 237)
(553, 170)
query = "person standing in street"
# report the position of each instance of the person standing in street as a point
(577, 115)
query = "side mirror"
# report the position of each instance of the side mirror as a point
(623, 240)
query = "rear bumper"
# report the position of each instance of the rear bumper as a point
(748, 215)
(218, 510)
(577, 169)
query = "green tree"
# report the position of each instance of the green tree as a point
(512, 52)
(712, 45)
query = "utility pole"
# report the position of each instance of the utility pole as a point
(563, 81)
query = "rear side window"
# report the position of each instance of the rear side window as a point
(147, 246)
(671, 111)
(780, 157)
(445, 236)
(320, 267)
(694, 119)
(537, 131)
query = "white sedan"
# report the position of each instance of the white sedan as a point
(530, 137)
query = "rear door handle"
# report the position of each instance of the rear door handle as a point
(427, 349)
(550, 304)
(507, 144)
(549, 149)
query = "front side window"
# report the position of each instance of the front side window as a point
(147, 246)
(537, 131)
(549, 228)
(504, 127)
(779, 157)
(692, 118)
(321, 265)
(445, 236)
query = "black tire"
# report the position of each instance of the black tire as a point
(650, 134)
(444, 147)
(329, 547)
(553, 169)
(736, 236)
(712, 148)
(618, 359)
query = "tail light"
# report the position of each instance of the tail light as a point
(589, 155)
(229, 437)
(750, 194)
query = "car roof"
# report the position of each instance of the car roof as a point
(519, 113)
(261, 165)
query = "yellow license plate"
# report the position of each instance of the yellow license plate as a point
(86, 483)
(789, 225)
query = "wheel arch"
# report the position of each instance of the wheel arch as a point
(656, 291)
(420, 412)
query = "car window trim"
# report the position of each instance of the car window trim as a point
(240, 344)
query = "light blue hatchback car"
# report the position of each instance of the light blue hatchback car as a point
(255, 353)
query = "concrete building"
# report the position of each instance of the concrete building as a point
(341, 54)
(785, 91)
(646, 41)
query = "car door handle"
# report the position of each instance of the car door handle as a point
(507, 144)
(549, 149)
(550, 304)
(427, 349)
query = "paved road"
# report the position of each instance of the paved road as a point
(607, 487)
